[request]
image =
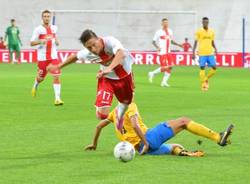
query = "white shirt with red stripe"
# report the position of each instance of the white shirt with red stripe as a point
(111, 46)
(163, 39)
(48, 51)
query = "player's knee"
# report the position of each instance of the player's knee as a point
(40, 79)
(183, 121)
(101, 116)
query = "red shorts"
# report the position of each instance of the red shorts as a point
(122, 88)
(166, 60)
(42, 67)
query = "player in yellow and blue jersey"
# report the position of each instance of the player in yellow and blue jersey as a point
(152, 141)
(206, 51)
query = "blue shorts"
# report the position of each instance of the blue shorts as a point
(156, 137)
(209, 60)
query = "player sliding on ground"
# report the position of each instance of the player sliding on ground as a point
(152, 141)
(44, 37)
(207, 49)
(115, 76)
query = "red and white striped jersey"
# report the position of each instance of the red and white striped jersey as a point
(47, 51)
(111, 46)
(163, 39)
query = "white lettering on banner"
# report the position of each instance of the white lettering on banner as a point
(158, 60)
(224, 62)
(138, 59)
(30, 56)
(5, 57)
(149, 59)
(23, 60)
(63, 56)
(179, 58)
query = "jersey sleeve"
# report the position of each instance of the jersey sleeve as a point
(82, 54)
(115, 44)
(132, 110)
(111, 116)
(35, 35)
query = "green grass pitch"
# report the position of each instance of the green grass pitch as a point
(41, 143)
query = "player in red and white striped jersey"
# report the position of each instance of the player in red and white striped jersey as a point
(162, 41)
(44, 37)
(115, 74)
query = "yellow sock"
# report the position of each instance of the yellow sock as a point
(203, 131)
(211, 73)
(203, 77)
(177, 150)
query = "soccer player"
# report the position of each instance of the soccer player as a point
(44, 37)
(14, 41)
(162, 41)
(206, 51)
(115, 75)
(152, 141)
(186, 45)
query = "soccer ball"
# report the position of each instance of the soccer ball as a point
(124, 151)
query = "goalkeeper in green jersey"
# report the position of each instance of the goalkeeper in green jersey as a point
(14, 41)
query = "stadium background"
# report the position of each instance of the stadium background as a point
(134, 30)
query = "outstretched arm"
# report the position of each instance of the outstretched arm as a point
(177, 44)
(98, 130)
(71, 59)
(138, 131)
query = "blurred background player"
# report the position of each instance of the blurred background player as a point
(115, 74)
(186, 45)
(162, 41)
(44, 37)
(152, 141)
(2, 44)
(14, 41)
(206, 51)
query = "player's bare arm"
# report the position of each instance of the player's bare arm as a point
(57, 42)
(215, 49)
(98, 130)
(156, 46)
(38, 42)
(118, 59)
(194, 48)
(177, 44)
(138, 131)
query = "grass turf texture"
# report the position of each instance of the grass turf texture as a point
(41, 143)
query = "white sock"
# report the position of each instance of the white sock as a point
(121, 109)
(35, 83)
(158, 70)
(57, 90)
(166, 77)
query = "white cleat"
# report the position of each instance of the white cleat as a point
(150, 77)
(164, 84)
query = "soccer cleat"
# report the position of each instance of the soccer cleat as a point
(33, 92)
(150, 77)
(224, 136)
(196, 153)
(59, 102)
(164, 84)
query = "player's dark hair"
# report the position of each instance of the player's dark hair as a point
(86, 35)
(164, 19)
(46, 11)
(12, 20)
(205, 18)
